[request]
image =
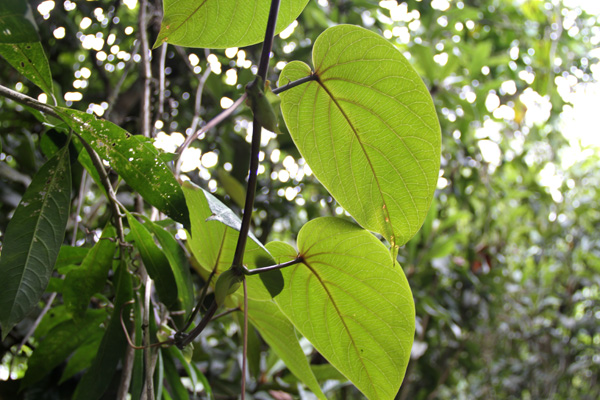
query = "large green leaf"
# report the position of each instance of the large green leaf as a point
(352, 304)
(31, 62)
(368, 129)
(16, 22)
(281, 337)
(90, 277)
(32, 240)
(214, 233)
(221, 23)
(134, 158)
(59, 343)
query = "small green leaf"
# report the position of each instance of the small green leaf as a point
(352, 304)
(213, 238)
(218, 24)
(368, 129)
(156, 263)
(262, 110)
(134, 158)
(227, 283)
(82, 282)
(33, 239)
(59, 343)
(31, 62)
(16, 22)
(281, 337)
(97, 378)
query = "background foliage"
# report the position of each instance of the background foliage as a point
(505, 271)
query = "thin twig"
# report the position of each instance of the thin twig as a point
(161, 80)
(293, 84)
(256, 271)
(149, 384)
(146, 70)
(37, 321)
(211, 124)
(126, 373)
(27, 101)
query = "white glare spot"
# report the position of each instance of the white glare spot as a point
(45, 7)
(226, 102)
(85, 23)
(73, 96)
(287, 32)
(194, 59)
(492, 101)
(231, 52)
(43, 98)
(130, 3)
(441, 5)
(210, 159)
(59, 33)
(129, 30)
(85, 73)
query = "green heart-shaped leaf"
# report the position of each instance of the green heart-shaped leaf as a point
(368, 129)
(352, 304)
(218, 24)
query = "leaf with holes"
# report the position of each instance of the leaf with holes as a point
(368, 129)
(134, 158)
(31, 62)
(218, 24)
(33, 239)
(352, 304)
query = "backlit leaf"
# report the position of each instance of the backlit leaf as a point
(134, 158)
(33, 239)
(213, 238)
(352, 304)
(222, 23)
(368, 129)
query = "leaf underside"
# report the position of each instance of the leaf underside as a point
(352, 304)
(368, 129)
(218, 24)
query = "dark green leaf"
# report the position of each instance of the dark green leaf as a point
(178, 261)
(90, 277)
(367, 128)
(31, 62)
(83, 356)
(33, 239)
(60, 342)
(16, 22)
(112, 348)
(156, 263)
(135, 159)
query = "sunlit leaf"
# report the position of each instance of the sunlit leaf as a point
(16, 22)
(221, 23)
(33, 239)
(135, 159)
(82, 282)
(352, 304)
(213, 238)
(31, 62)
(367, 128)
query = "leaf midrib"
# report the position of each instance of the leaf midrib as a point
(35, 230)
(355, 132)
